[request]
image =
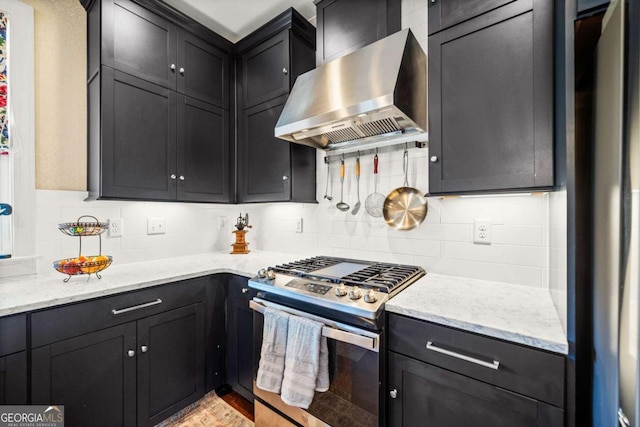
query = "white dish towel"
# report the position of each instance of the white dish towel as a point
(272, 353)
(302, 362)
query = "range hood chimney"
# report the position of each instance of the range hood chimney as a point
(373, 97)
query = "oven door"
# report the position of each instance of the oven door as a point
(354, 397)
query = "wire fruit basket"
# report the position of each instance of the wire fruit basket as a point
(83, 264)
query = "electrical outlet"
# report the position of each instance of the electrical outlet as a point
(482, 231)
(222, 222)
(115, 227)
(298, 227)
(156, 225)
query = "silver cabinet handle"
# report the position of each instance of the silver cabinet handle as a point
(181, 177)
(181, 71)
(144, 348)
(434, 159)
(285, 177)
(393, 393)
(245, 290)
(173, 176)
(285, 71)
(173, 67)
(117, 311)
(492, 365)
(131, 353)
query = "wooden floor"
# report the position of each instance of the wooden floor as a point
(240, 404)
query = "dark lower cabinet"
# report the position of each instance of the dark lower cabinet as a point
(13, 360)
(240, 336)
(131, 359)
(491, 97)
(13, 379)
(170, 362)
(92, 375)
(424, 394)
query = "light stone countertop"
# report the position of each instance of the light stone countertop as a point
(514, 313)
(28, 293)
(519, 314)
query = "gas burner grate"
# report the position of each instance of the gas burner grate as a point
(383, 277)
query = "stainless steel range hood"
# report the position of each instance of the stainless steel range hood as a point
(372, 97)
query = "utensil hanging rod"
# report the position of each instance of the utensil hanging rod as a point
(332, 155)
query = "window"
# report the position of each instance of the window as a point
(17, 174)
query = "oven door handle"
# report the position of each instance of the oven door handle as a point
(371, 343)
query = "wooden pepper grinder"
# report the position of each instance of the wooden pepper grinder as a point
(240, 246)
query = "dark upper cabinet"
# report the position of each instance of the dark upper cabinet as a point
(240, 361)
(268, 168)
(423, 394)
(170, 362)
(137, 157)
(265, 70)
(443, 14)
(203, 151)
(158, 101)
(138, 42)
(13, 360)
(203, 70)
(344, 26)
(491, 98)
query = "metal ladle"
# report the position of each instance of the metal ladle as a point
(341, 204)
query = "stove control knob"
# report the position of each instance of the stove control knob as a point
(262, 273)
(341, 290)
(370, 297)
(271, 275)
(355, 293)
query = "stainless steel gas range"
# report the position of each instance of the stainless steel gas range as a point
(348, 297)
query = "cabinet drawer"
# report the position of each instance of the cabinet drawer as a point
(527, 371)
(65, 322)
(13, 334)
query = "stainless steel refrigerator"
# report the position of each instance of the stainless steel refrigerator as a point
(616, 220)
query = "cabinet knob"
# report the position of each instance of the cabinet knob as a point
(285, 71)
(245, 290)
(285, 177)
(433, 1)
(393, 393)
(131, 353)
(434, 159)
(144, 348)
(173, 176)
(173, 67)
(181, 177)
(181, 71)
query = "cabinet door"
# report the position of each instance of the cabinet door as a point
(491, 101)
(265, 70)
(13, 379)
(240, 337)
(347, 25)
(264, 161)
(93, 376)
(170, 362)
(203, 70)
(138, 138)
(203, 151)
(139, 42)
(445, 13)
(427, 395)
